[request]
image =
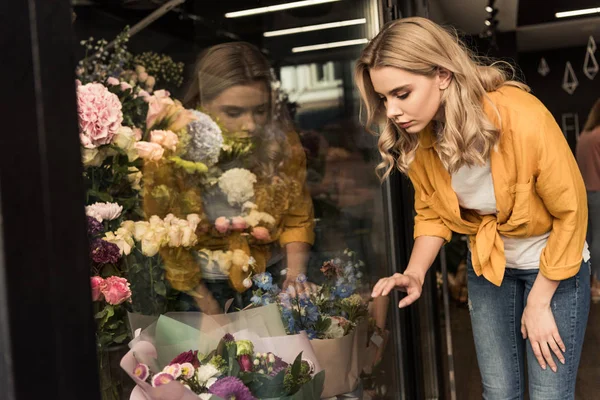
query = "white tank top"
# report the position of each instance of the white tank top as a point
(475, 191)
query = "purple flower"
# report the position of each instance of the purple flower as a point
(231, 388)
(278, 366)
(94, 227)
(104, 252)
(228, 338)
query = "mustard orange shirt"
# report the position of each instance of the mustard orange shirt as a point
(537, 184)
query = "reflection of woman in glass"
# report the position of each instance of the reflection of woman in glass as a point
(588, 158)
(488, 160)
(259, 180)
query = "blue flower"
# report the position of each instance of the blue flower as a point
(312, 334)
(263, 281)
(256, 300)
(301, 278)
(309, 310)
(288, 317)
(344, 291)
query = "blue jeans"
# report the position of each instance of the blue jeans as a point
(496, 318)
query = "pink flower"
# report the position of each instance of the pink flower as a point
(222, 224)
(149, 151)
(166, 139)
(137, 133)
(100, 115)
(142, 93)
(112, 81)
(238, 224)
(261, 233)
(116, 290)
(158, 105)
(125, 86)
(141, 371)
(97, 286)
(162, 379)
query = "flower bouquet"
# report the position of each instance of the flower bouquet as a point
(245, 368)
(334, 317)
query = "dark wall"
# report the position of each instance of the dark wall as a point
(549, 88)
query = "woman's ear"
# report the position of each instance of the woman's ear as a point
(444, 77)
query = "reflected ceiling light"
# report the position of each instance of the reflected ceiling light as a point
(575, 13)
(280, 7)
(490, 7)
(319, 27)
(331, 45)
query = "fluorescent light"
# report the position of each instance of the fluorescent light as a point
(331, 45)
(489, 9)
(310, 28)
(575, 13)
(280, 7)
(488, 22)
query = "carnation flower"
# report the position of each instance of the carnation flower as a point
(104, 211)
(206, 140)
(238, 185)
(97, 285)
(231, 388)
(104, 252)
(116, 290)
(94, 227)
(100, 115)
(336, 329)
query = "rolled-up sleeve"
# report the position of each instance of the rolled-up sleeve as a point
(560, 185)
(427, 221)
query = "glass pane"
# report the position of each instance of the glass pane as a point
(231, 195)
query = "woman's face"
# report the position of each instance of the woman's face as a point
(411, 100)
(242, 110)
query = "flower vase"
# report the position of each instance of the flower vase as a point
(115, 384)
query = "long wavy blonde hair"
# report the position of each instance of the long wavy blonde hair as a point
(420, 46)
(239, 63)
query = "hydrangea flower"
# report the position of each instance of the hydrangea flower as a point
(206, 140)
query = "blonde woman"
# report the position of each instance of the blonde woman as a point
(487, 160)
(232, 82)
(588, 158)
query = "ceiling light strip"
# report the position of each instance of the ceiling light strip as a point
(575, 13)
(331, 45)
(311, 28)
(280, 7)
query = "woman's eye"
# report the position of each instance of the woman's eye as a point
(384, 99)
(233, 114)
(403, 96)
(260, 111)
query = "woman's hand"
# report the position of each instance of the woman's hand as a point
(539, 326)
(409, 282)
(206, 301)
(297, 286)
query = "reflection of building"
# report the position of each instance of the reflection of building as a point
(313, 86)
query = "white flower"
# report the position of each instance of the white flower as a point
(238, 185)
(123, 238)
(206, 140)
(135, 178)
(104, 211)
(93, 157)
(207, 375)
(205, 396)
(125, 139)
(334, 331)
(255, 218)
